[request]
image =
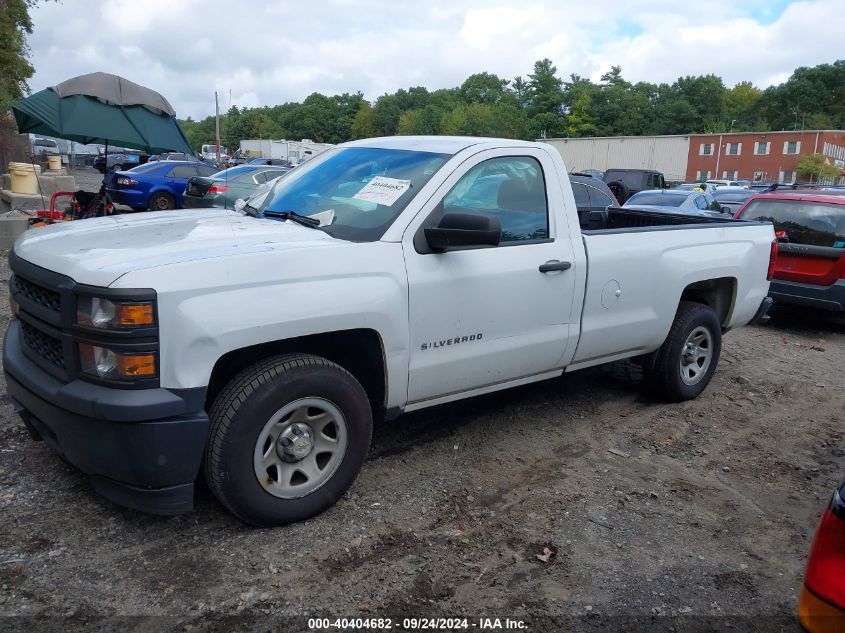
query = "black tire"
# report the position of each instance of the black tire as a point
(248, 403)
(162, 201)
(619, 190)
(666, 377)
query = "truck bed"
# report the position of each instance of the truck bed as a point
(621, 219)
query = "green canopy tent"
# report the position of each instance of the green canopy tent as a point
(103, 108)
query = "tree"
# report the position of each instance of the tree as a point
(15, 68)
(545, 92)
(816, 167)
(364, 124)
(740, 106)
(483, 88)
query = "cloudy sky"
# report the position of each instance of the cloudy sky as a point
(264, 52)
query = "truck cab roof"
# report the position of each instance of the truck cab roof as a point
(439, 144)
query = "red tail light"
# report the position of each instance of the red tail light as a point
(825, 575)
(218, 188)
(773, 258)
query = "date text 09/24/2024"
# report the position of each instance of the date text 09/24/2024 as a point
(417, 624)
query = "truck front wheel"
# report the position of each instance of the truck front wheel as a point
(288, 437)
(688, 357)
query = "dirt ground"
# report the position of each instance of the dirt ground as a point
(657, 516)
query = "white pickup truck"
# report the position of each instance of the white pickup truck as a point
(383, 276)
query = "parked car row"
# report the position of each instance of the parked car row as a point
(161, 185)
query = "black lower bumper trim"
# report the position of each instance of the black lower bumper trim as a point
(171, 500)
(824, 297)
(762, 315)
(150, 466)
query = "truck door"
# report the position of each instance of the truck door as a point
(486, 315)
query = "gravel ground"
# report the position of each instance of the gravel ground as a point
(661, 513)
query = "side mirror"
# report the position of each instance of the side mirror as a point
(464, 229)
(240, 205)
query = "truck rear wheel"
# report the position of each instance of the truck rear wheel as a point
(288, 437)
(688, 357)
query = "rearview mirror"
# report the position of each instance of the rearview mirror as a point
(726, 209)
(464, 229)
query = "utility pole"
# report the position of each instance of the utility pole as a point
(217, 124)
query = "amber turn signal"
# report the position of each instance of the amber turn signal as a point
(136, 365)
(133, 314)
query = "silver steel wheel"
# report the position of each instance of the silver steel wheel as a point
(300, 448)
(696, 355)
(161, 203)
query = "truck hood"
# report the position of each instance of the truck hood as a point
(98, 251)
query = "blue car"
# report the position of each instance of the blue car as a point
(157, 186)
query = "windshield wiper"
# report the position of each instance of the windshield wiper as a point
(293, 216)
(251, 210)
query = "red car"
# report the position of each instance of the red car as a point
(821, 607)
(810, 227)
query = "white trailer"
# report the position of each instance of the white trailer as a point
(295, 152)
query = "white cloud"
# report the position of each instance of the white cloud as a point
(275, 51)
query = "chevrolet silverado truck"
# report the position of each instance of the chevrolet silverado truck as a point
(256, 345)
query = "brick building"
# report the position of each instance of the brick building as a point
(761, 156)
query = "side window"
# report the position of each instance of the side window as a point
(182, 171)
(701, 202)
(206, 170)
(713, 204)
(260, 177)
(512, 189)
(599, 198)
(582, 198)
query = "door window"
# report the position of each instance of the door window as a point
(582, 198)
(599, 198)
(511, 189)
(182, 171)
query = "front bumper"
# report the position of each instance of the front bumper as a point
(825, 297)
(140, 448)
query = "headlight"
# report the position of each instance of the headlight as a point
(103, 362)
(104, 313)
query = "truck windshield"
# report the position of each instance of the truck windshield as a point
(357, 191)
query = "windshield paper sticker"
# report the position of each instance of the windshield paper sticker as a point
(383, 190)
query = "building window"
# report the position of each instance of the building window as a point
(733, 149)
(791, 147)
(787, 177)
(759, 176)
(705, 149)
(702, 176)
(762, 148)
(730, 174)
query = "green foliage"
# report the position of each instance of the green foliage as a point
(15, 68)
(816, 167)
(543, 105)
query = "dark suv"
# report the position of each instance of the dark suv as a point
(810, 228)
(624, 183)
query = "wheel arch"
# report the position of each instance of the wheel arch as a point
(719, 294)
(358, 351)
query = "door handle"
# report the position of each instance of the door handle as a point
(553, 265)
